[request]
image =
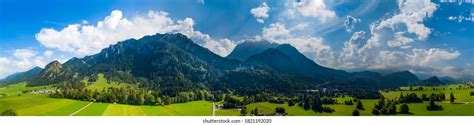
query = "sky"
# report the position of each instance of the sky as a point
(426, 37)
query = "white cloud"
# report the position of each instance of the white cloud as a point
(48, 53)
(261, 12)
(425, 57)
(312, 47)
(388, 47)
(312, 8)
(350, 22)
(349, 56)
(274, 31)
(22, 60)
(412, 14)
(24, 53)
(4, 67)
(400, 41)
(90, 39)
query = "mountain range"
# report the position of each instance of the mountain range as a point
(173, 63)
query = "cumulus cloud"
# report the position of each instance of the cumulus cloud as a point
(310, 46)
(48, 53)
(261, 12)
(400, 41)
(388, 46)
(22, 60)
(350, 23)
(412, 14)
(274, 31)
(24, 53)
(82, 39)
(312, 8)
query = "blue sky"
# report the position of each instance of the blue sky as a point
(423, 36)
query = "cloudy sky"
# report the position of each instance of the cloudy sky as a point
(426, 37)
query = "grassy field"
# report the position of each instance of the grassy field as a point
(15, 89)
(101, 83)
(42, 105)
(461, 95)
(96, 109)
(465, 106)
(38, 105)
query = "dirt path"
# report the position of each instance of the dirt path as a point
(81, 109)
(213, 109)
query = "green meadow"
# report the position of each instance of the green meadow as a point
(464, 104)
(42, 105)
(101, 83)
(19, 88)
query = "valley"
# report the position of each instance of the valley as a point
(41, 105)
(171, 75)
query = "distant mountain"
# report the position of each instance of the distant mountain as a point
(287, 59)
(246, 49)
(173, 63)
(434, 80)
(448, 79)
(274, 59)
(397, 79)
(22, 76)
(51, 74)
(366, 74)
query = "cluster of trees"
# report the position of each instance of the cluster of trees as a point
(231, 102)
(409, 98)
(355, 112)
(133, 96)
(280, 110)
(451, 98)
(255, 112)
(243, 111)
(314, 103)
(472, 93)
(385, 107)
(9, 112)
(359, 105)
(433, 107)
(348, 102)
(404, 109)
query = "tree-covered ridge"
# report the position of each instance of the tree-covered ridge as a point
(172, 63)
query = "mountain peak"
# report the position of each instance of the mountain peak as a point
(22, 76)
(401, 78)
(53, 64)
(248, 48)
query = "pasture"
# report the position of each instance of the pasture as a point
(101, 83)
(42, 105)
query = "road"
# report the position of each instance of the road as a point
(81, 109)
(213, 109)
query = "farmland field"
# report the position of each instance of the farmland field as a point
(19, 88)
(42, 105)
